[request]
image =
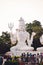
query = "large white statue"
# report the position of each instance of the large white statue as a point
(21, 36)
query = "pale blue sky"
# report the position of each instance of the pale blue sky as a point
(12, 10)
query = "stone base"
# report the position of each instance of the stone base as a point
(40, 49)
(18, 52)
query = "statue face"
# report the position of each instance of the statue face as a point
(22, 28)
(21, 24)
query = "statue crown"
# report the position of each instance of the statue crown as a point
(21, 19)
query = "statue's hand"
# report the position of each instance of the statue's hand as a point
(33, 33)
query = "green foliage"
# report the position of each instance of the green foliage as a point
(34, 26)
(36, 23)
(5, 42)
(5, 37)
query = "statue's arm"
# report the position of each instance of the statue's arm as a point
(13, 38)
(28, 39)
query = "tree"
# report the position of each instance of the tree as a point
(5, 42)
(29, 28)
(36, 27)
(36, 23)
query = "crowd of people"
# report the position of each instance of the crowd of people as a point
(24, 59)
(32, 59)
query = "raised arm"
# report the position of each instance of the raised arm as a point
(13, 38)
(33, 34)
(28, 39)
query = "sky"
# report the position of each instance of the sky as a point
(12, 10)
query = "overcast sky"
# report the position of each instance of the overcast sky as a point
(12, 10)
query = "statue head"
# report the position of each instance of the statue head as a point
(21, 24)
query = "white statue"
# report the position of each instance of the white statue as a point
(21, 35)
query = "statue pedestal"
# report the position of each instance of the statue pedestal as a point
(19, 51)
(40, 49)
